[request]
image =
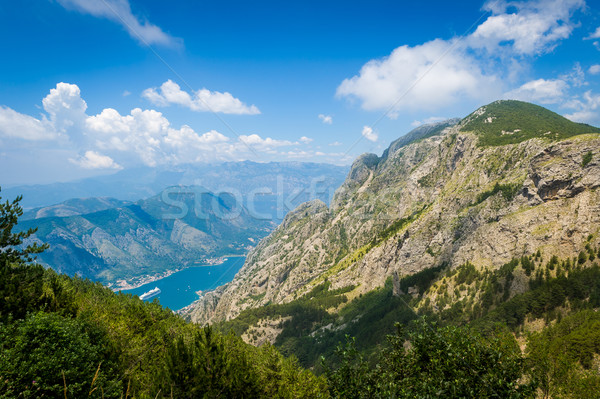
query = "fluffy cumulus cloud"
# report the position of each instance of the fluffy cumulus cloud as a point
(594, 69)
(202, 100)
(65, 107)
(369, 134)
(438, 73)
(540, 91)
(119, 11)
(527, 27)
(110, 140)
(94, 160)
(326, 119)
(306, 140)
(65, 112)
(427, 76)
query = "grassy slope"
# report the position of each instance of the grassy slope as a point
(509, 122)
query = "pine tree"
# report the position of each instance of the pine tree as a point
(11, 251)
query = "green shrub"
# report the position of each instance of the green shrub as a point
(587, 158)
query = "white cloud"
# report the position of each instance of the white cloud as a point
(16, 125)
(535, 28)
(421, 77)
(576, 77)
(369, 134)
(594, 69)
(94, 160)
(119, 11)
(140, 132)
(586, 110)
(439, 73)
(111, 140)
(65, 107)
(327, 119)
(335, 144)
(595, 34)
(126, 93)
(65, 114)
(202, 100)
(268, 144)
(306, 140)
(149, 135)
(541, 91)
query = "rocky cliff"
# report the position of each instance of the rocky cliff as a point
(510, 179)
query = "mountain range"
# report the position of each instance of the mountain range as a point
(501, 197)
(127, 241)
(281, 178)
(462, 262)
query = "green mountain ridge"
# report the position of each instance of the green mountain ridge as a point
(509, 122)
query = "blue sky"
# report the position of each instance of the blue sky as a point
(94, 86)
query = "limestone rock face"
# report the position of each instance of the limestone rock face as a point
(441, 198)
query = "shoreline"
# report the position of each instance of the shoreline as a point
(124, 285)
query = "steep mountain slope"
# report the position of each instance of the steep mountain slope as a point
(127, 244)
(462, 194)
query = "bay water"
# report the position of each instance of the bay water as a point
(179, 289)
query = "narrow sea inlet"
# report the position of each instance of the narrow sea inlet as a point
(179, 289)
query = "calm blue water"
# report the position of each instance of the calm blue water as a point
(179, 289)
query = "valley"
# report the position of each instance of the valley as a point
(300, 200)
(454, 239)
(125, 244)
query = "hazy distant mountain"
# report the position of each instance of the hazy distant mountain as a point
(110, 239)
(74, 206)
(184, 226)
(282, 178)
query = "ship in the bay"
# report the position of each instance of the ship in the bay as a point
(150, 294)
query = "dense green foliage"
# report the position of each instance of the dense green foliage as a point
(62, 336)
(449, 362)
(561, 357)
(587, 158)
(509, 122)
(577, 287)
(46, 351)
